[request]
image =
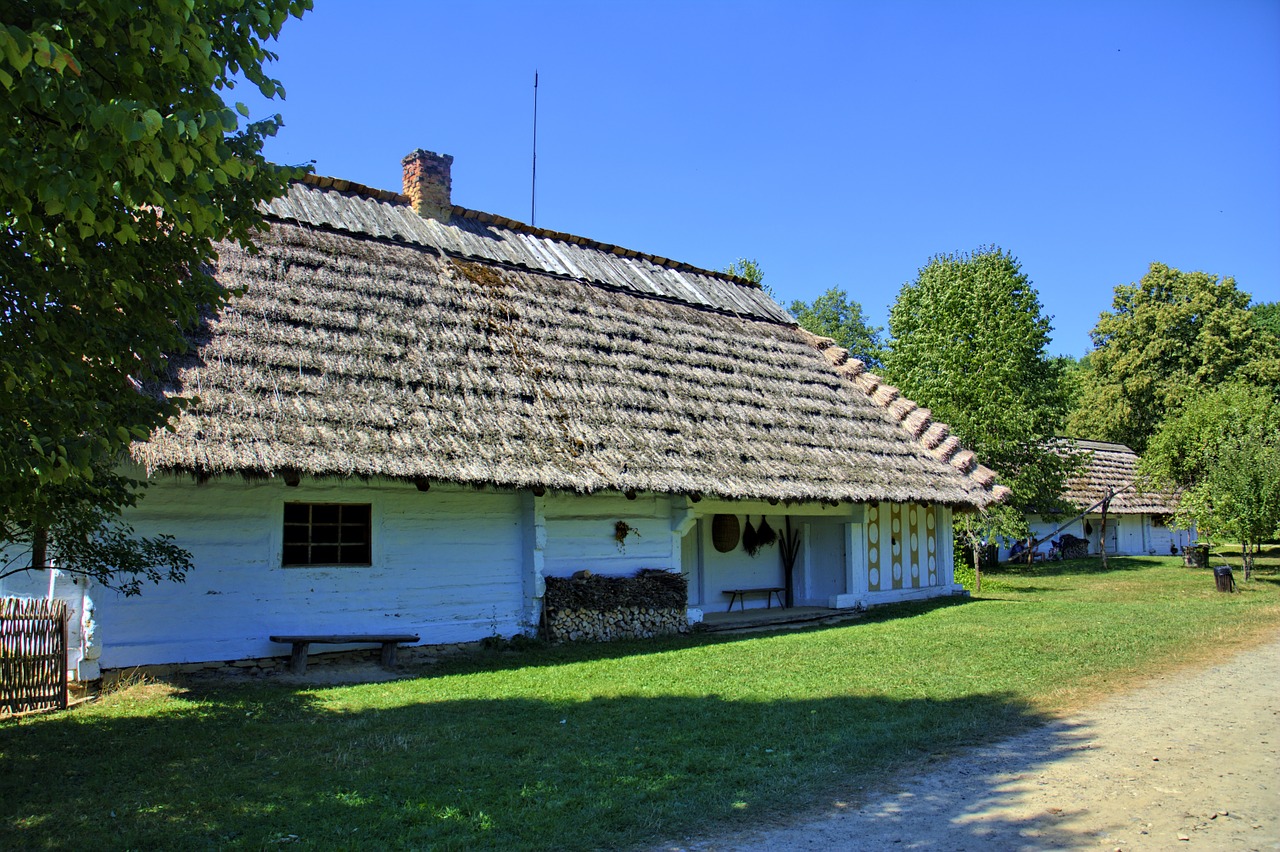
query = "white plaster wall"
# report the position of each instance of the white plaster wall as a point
(1161, 538)
(1127, 535)
(447, 565)
(1130, 538)
(581, 534)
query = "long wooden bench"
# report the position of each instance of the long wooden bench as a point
(301, 644)
(769, 592)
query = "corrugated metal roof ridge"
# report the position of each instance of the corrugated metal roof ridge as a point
(1090, 444)
(353, 188)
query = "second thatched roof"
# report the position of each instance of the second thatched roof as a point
(1112, 469)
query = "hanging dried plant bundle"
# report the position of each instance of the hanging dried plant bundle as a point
(765, 536)
(749, 542)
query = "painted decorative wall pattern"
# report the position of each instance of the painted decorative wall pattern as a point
(914, 520)
(931, 543)
(895, 542)
(873, 547)
(923, 544)
(912, 560)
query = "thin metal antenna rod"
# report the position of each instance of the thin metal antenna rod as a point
(533, 199)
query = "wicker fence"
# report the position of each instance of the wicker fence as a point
(33, 655)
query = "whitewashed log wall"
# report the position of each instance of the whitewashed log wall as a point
(451, 564)
(581, 534)
(447, 565)
(1127, 535)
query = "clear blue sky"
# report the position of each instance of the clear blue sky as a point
(837, 143)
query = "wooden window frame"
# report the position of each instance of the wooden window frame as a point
(326, 534)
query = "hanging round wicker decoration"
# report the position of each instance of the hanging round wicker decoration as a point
(725, 532)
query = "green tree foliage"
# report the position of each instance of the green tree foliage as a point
(968, 340)
(84, 531)
(1075, 372)
(120, 166)
(1169, 337)
(748, 269)
(1223, 450)
(1266, 317)
(835, 315)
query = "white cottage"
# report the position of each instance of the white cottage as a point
(1136, 522)
(418, 412)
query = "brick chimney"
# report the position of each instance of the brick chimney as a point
(428, 185)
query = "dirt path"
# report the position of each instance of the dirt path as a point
(1191, 761)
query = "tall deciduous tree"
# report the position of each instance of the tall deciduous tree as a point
(1074, 376)
(1167, 338)
(1223, 451)
(120, 166)
(1266, 317)
(968, 339)
(835, 315)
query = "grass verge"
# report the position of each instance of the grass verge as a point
(608, 746)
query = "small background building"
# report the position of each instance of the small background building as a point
(1137, 522)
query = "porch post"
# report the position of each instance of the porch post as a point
(535, 543)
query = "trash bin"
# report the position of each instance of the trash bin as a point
(1224, 579)
(1196, 556)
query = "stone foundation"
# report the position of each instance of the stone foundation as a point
(266, 666)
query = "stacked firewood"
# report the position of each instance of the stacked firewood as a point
(628, 622)
(591, 608)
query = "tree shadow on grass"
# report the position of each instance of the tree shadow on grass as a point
(252, 768)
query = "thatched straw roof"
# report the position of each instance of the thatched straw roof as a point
(372, 342)
(1112, 468)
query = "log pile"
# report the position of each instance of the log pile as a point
(588, 608)
(628, 622)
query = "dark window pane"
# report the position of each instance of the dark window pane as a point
(356, 554)
(354, 533)
(327, 534)
(323, 513)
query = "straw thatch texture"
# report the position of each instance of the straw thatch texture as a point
(356, 356)
(1110, 468)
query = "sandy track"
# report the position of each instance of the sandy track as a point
(1191, 761)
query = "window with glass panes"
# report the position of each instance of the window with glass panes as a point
(327, 534)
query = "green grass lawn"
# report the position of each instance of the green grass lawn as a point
(608, 746)
(1268, 559)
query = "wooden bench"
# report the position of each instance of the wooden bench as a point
(769, 592)
(389, 641)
